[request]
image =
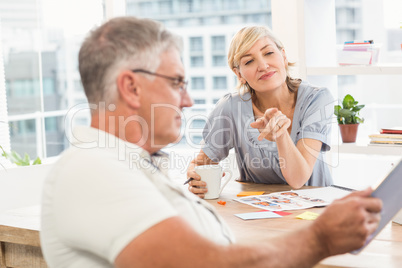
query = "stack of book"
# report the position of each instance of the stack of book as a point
(387, 136)
(394, 130)
(363, 52)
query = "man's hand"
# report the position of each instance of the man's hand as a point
(346, 224)
(272, 124)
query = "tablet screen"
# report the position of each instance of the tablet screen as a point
(389, 191)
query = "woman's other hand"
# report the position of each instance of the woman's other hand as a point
(196, 186)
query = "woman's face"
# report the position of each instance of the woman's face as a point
(263, 66)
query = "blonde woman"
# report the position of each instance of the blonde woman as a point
(279, 126)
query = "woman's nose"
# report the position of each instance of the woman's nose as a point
(262, 65)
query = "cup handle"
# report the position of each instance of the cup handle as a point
(226, 179)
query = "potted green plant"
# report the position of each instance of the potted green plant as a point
(348, 118)
(15, 158)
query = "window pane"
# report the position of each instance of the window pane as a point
(198, 123)
(196, 44)
(197, 61)
(55, 137)
(220, 82)
(210, 5)
(197, 83)
(199, 101)
(262, 18)
(23, 137)
(19, 33)
(355, 21)
(218, 43)
(186, 5)
(256, 4)
(230, 4)
(196, 139)
(40, 44)
(165, 7)
(22, 78)
(219, 60)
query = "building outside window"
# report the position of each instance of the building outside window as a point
(196, 44)
(186, 6)
(197, 83)
(199, 101)
(146, 8)
(218, 43)
(165, 7)
(42, 82)
(210, 5)
(39, 45)
(198, 123)
(219, 61)
(219, 83)
(197, 61)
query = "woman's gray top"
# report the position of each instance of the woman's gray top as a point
(228, 127)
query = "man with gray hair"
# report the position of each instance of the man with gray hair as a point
(107, 202)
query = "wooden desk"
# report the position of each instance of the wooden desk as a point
(20, 245)
(385, 251)
(20, 248)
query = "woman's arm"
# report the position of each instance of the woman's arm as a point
(296, 162)
(196, 186)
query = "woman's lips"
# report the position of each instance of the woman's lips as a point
(267, 75)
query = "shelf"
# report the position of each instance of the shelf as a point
(353, 148)
(391, 69)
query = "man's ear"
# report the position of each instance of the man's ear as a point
(128, 88)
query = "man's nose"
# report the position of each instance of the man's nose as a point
(186, 100)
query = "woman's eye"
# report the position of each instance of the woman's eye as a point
(268, 53)
(248, 62)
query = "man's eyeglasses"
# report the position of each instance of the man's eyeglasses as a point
(177, 82)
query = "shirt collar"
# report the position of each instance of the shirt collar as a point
(85, 137)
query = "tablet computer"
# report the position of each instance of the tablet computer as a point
(389, 190)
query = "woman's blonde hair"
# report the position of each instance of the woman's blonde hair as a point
(243, 41)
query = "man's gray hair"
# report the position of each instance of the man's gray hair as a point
(121, 43)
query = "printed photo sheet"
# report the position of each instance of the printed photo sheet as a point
(293, 200)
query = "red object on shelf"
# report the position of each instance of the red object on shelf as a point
(391, 131)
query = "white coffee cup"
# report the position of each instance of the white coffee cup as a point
(212, 175)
